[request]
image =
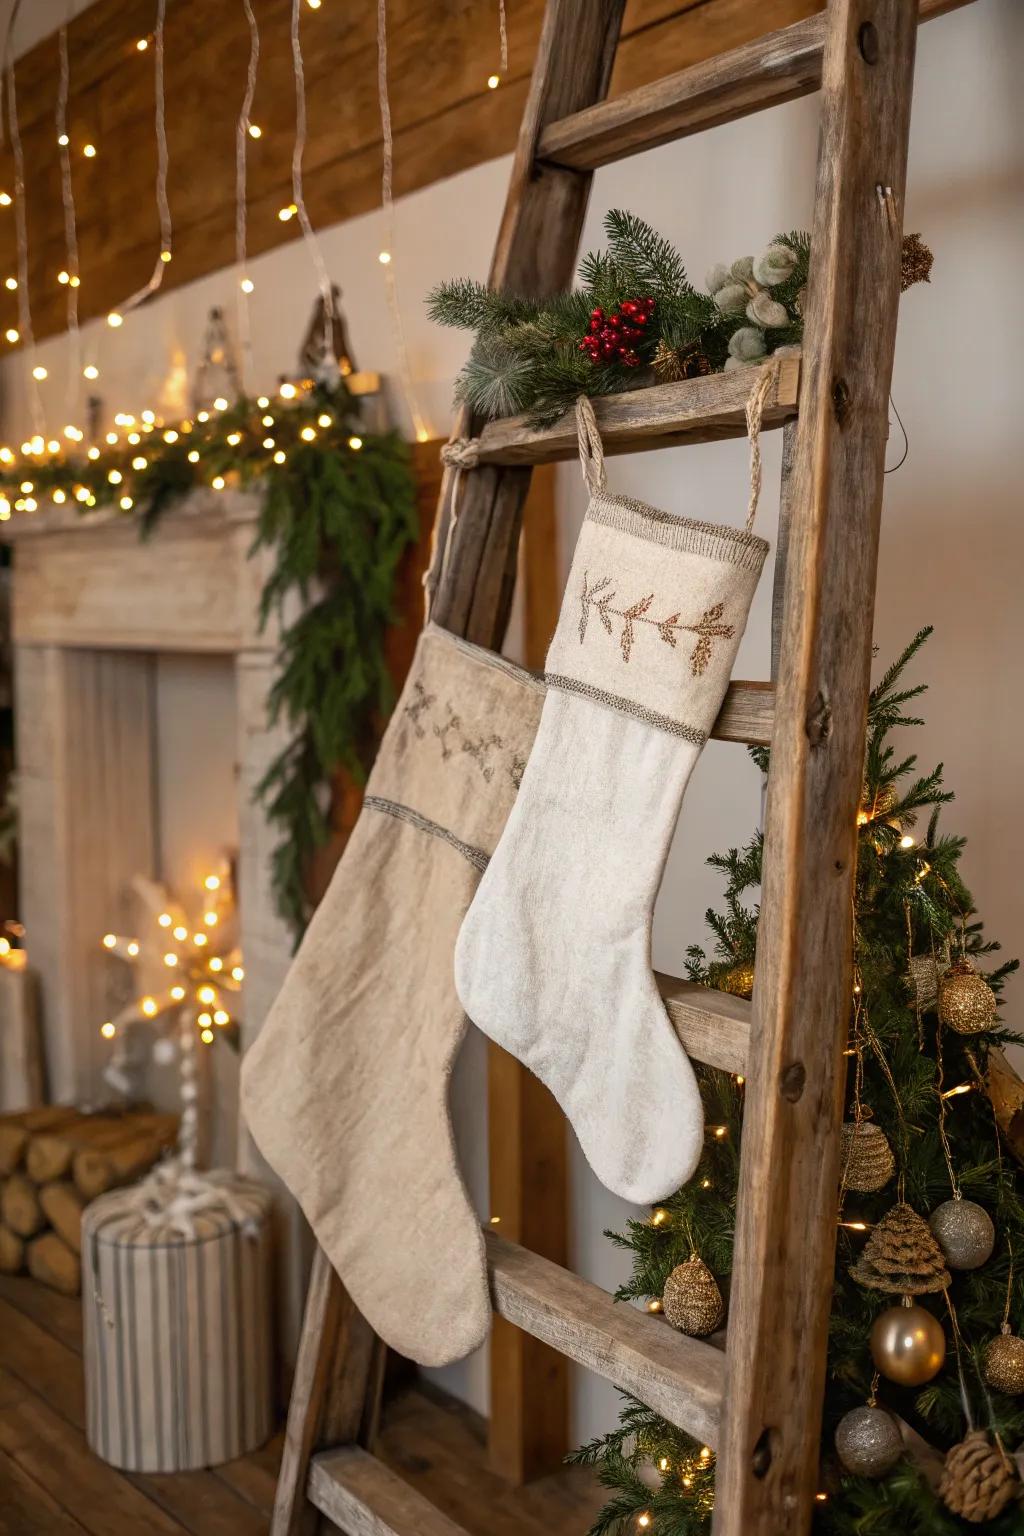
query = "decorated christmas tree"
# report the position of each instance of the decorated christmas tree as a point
(925, 1388)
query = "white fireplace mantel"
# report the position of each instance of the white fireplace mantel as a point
(92, 607)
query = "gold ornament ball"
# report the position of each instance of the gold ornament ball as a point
(966, 1001)
(1004, 1364)
(692, 1301)
(965, 1233)
(908, 1345)
(868, 1442)
(738, 980)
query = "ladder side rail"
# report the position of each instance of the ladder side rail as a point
(535, 254)
(787, 1197)
(337, 1377)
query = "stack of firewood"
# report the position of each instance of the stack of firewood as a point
(53, 1161)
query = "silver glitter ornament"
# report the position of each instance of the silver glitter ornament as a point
(965, 1233)
(868, 1441)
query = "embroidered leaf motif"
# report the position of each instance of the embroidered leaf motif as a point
(587, 597)
(708, 628)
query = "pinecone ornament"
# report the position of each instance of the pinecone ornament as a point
(692, 1301)
(867, 1159)
(978, 1479)
(966, 1001)
(902, 1256)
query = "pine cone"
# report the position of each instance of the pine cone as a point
(902, 1256)
(916, 263)
(978, 1479)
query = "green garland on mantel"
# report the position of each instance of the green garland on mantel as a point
(338, 510)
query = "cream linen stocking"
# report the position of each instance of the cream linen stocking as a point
(345, 1090)
(553, 960)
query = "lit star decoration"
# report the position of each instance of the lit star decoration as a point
(188, 973)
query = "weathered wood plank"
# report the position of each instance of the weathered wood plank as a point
(748, 715)
(759, 74)
(786, 1201)
(692, 411)
(364, 1498)
(679, 1377)
(713, 1026)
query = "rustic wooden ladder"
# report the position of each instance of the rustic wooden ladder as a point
(758, 1402)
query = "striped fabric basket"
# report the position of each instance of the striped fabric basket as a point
(176, 1298)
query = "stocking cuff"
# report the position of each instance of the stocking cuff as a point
(455, 750)
(653, 614)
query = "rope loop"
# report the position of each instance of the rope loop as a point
(591, 449)
(461, 452)
(767, 378)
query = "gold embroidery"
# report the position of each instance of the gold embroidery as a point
(708, 628)
(452, 737)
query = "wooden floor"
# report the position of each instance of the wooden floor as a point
(52, 1485)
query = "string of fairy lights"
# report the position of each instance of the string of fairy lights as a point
(41, 447)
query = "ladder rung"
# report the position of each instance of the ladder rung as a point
(713, 1026)
(692, 411)
(764, 73)
(679, 1377)
(747, 715)
(363, 1497)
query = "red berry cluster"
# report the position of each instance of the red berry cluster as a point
(611, 338)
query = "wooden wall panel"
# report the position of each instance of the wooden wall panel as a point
(445, 118)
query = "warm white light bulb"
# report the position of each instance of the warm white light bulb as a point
(308, 434)
(221, 1017)
(165, 919)
(142, 44)
(206, 995)
(493, 81)
(11, 283)
(234, 438)
(237, 974)
(63, 140)
(384, 258)
(170, 958)
(115, 477)
(177, 993)
(107, 1030)
(268, 443)
(133, 947)
(90, 371)
(355, 443)
(148, 1006)
(263, 401)
(39, 372)
(279, 456)
(220, 404)
(288, 391)
(218, 482)
(247, 285)
(324, 420)
(114, 319)
(109, 940)
(193, 457)
(12, 335)
(5, 199)
(284, 214)
(255, 131)
(89, 151)
(180, 933)
(63, 277)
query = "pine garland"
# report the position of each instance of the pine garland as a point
(919, 888)
(338, 511)
(533, 355)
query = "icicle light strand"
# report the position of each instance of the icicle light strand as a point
(70, 225)
(163, 255)
(298, 198)
(21, 227)
(241, 197)
(387, 255)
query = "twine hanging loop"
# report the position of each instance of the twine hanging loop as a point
(591, 448)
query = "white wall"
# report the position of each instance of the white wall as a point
(953, 537)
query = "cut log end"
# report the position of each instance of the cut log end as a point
(52, 1263)
(19, 1206)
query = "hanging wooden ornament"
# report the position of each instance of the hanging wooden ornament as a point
(908, 1345)
(965, 1233)
(902, 1256)
(691, 1300)
(867, 1161)
(979, 1479)
(868, 1441)
(966, 1001)
(1004, 1363)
